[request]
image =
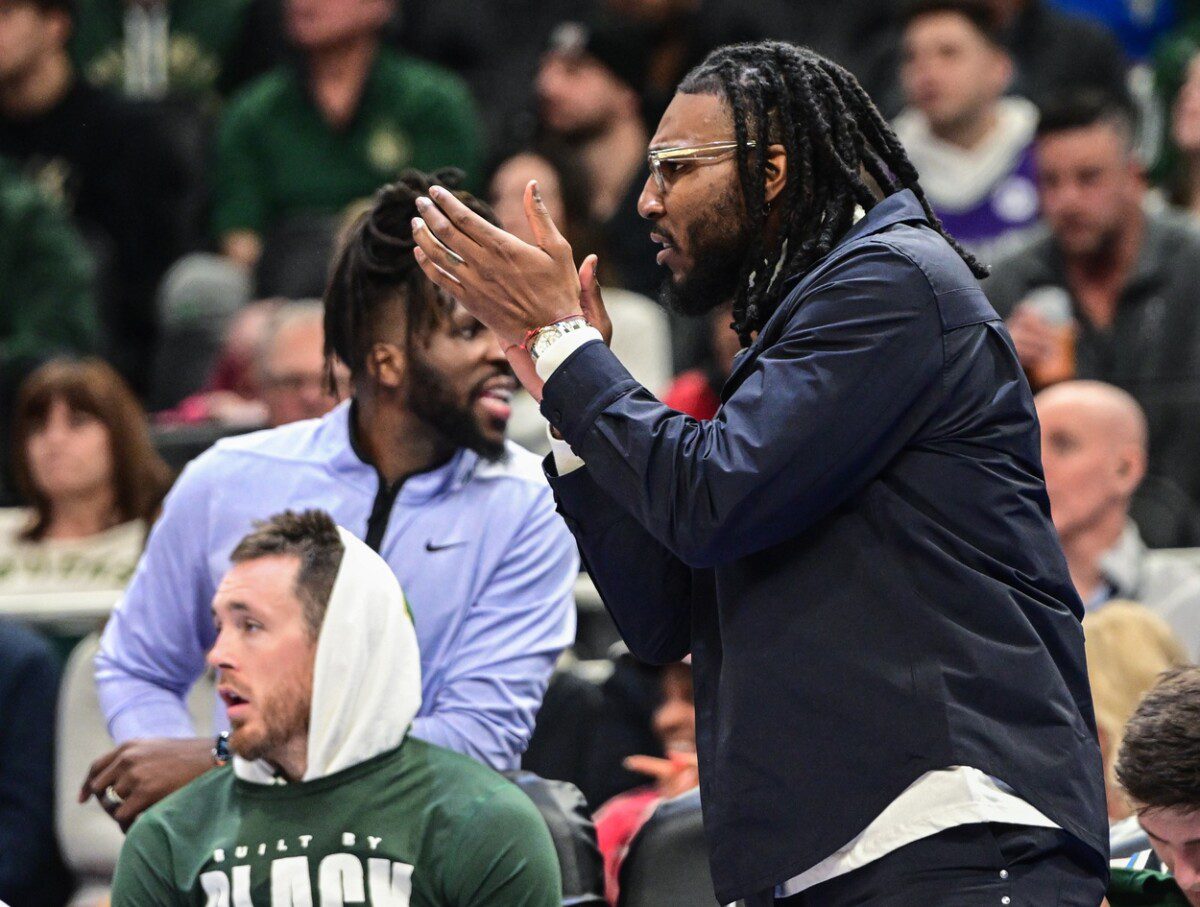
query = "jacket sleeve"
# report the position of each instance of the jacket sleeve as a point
(485, 702)
(823, 409)
(153, 646)
(645, 587)
(28, 691)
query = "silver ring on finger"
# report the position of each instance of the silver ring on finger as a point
(111, 798)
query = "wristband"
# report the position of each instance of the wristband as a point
(539, 340)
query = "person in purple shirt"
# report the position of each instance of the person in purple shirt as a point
(417, 465)
(971, 145)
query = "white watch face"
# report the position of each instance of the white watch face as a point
(547, 335)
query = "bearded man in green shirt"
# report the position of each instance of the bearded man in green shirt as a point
(308, 139)
(328, 800)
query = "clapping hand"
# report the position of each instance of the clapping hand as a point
(511, 286)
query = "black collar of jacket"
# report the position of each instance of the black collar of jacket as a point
(898, 208)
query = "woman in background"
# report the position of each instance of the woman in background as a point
(85, 465)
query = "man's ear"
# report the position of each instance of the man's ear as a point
(776, 172)
(1131, 468)
(386, 364)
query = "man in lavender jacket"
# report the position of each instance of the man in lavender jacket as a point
(416, 465)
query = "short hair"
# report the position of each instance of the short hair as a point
(1159, 762)
(1088, 107)
(293, 311)
(374, 267)
(312, 537)
(978, 12)
(140, 478)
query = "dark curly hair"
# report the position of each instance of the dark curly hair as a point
(1158, 764)
(835, 140)
(375, 266)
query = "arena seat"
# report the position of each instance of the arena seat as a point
(90, 840)
(569, 820)
(667, 861)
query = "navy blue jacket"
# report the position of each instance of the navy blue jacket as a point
(30, 870)
(857, 550)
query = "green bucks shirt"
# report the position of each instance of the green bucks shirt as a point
(418, 825)
(278, 158)
(202, 36)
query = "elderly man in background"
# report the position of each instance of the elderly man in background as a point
(1094, 454)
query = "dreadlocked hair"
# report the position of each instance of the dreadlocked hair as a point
(832, 135)
(375, 267)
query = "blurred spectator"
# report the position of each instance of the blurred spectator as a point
(417, 464)
(1137, 24)
(863, 37)
(1180, 169)
(271, 370)
(624, 719)
(46, 293)
(641, 332)
(618, 820)
(588, 88)
(106, 160)
(679, 34)
(1107, 291)
(1058, 52)
(230, 395)
(304, 141)
(495, 47)
(1128, 647)
(194, 49)
(93, 482)
(30, 869)
(1094, 456)
(291, 365)
(972, 147)
(1159, 768)
(697, 391)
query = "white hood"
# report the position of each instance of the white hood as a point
(367, 676)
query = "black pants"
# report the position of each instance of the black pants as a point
(984, 865)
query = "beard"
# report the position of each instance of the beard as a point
(717, 244)
(429, 399)
(283, 715)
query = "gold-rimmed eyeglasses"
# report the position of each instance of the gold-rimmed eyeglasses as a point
(666, 162)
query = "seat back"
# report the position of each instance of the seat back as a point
(667, 861)
(573, 833)
(90, 840)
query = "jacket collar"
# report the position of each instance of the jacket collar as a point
(337, 448)
(1043, 262)
(898, 208)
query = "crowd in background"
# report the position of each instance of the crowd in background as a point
(176, 175)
